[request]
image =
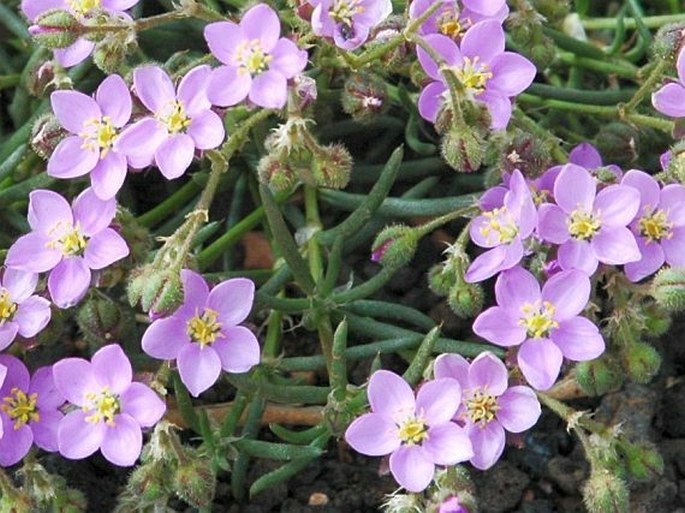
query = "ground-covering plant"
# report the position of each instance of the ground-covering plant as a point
(303, 134)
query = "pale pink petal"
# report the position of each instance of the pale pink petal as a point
(78, 438)
(269, 90)
(574, 188)
(199, 367)
(672, 200)
(577, 254)
(31, 252)
(519, 409)
(20, 284)
(114, 100)
(484, 40)
(516, 286)
(452, 366)
(287, 59)
(648, 187)
(411, 468)
(438, 400)
(391, 396)
(617, 205)
(207, 130)
(69, 281)
(93, 214)
(238, 349)
(46, 429)
(431, 100)
(15, 443)
(674, 248)
(71, 159)
(105, 248)
(670, 100)
(615, 245)
(500, 326)
(122, 443)
(32, 8)
(74, 379)
(74, 109)
(33, 314)
(77, 52)
(192, 90)
(232, 299)
(540, 361)
(579, 339)
(653, 257)
(223, 38)
(261, 23)
(552, 224)
(228, 86)
(143, 404)
(173, 157)
(488, 444)
(141, 139)
(8, 332)
(154, 88)
(108, 175)
(447, 444)
(165, 338)
(488, 372)
(373, 435)
(47, 208)
(569, 292)
(112, 368)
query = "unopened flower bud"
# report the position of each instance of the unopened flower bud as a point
(403, 503)
(642, 460)
(275, 173)
(542, 51)
(55, 29)
(46, 135)
(70, 501)
(657, 321)
(305, 90)
(159, 292)
(394, 246)
(102, 321)
(110, 53)
(195, 482)
(529, 154)
(597, 377)
(332, 169)
(524, 25)
(618, 142)
(16, 503)
(668, 289)
(390, 28)
(150, 481)
(552, 10)
(463, 148)
(641, 362)
(441, 280)
(466, 299)
(40, 78)
(605, 492)
(668, 41)
(675, 163)
(364, 96)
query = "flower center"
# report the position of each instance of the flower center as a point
(583, 225)
(99, 134)
(204, 329)
(71, 242)
(655, 226)
(20, 408)
(7, 307)
(481, 407)
(104, 405)
(344, 10)
(500, 227)
(251, 58)
(414, 431)
(83, 7)
(449, 24)
(538, 319)
(473, 74)
(174, 116)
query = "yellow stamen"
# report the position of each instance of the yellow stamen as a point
(104, 405)
(538, 319)
(413, 431)
(83, 7)
(20, 407)
(173, 116)
(71, 242)
(344, 10)
(7, 307)
(501, 228)
(655, 226)
(481, 407)
(204, 329)
(251, 58)
(99, 134)
(583, 225)
(473, 75)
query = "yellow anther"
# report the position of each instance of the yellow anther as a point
(583, 225)
(251, 58)
(473, 75)
(7, 307)
(204, 329)
(104, 405)
(413, 431)
(655, 225)
(538, 319)
(481, 407)
(20, 407)
(500, 228)
(83, 7)
(99, 134)
(344, 10)
(174, 116)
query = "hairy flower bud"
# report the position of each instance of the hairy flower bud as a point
(394, 246)
(46, 134)
(642, 460)
(159, 292)
(55, 29)
(597, 377)
(528, 153)
(111, 52)
(463, 148)
(641, 362)
(668, 289)
(332, 168)
(150, 482)
(403, 503)
(275, 173)
(668, 41)
(195, 482)
(365, 96)
(102, 321)
(618, 143)
(441, 280)
(466, 299)
(605, 493)
(657, 320)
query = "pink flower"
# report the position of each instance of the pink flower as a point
(183, 121)
(489, 405)
(68, 241)
(203, 334)
(95, 125)
(111, 411)
(21, 312)
(416, 432)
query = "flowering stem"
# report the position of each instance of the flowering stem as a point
(622, 70)
(647, 86)
(572, 417)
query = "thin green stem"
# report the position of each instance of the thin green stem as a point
(648, 85)
(651, 22)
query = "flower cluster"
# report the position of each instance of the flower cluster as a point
(460, 415)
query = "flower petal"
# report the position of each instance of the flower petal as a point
(484, 40)
(112, 369)
(569, 292)
(122, 443)
(70, 159)
(74, 109)
(192, 90)
(31, 252)
(69, 281)
(672, 199)
(108, 175)
(143, 404)
(448, 444)
(165, 338)
(239, 350)
(577, 254)
(261, 22)
(207, 130)
(540, 361)
(141, 139)
(488, 372)
(450, 365)
(75, 53)
(154, 87)
(579, 339)
(486, 265)
(223, 38)
(114, 100)
(646, 185)
(373, 434)
(8, 332)
(511, 73)
(574, 188)
(43, 383)
(20, 284)
(199, 367)
(227, 86)
(500, 326)
(431, 100)
(45, 431)
(232, 299)
(585, 155)
(391, 396)
(516, 286)
(411, 468)
(674, 248)
(15, 443)
(617, 204)
(47, 208)
(552, 224)
(438, 400)
(615, 245)
(446, 48)
(519, 409)
(78, 438)
(105, 248)
(653, 257)
(488, 444)
(287, 58)
(92, 213)
(33, 314)
(670, 100)
(173, 157)
(269, 90)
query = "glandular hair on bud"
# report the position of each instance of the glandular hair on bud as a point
(605, 492)
(441, 280)
(394, 246)
(668, 289)
(101, 321)
(597, 377)
(365, 96)
(55, 28)
(276, 173)
(466, 299)
(618, 143)
(641, 362)
(332, 166)
(403, 503)
(668, 41)
(463, 148)
(46, 134)
(194, 481)
(642, 460)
